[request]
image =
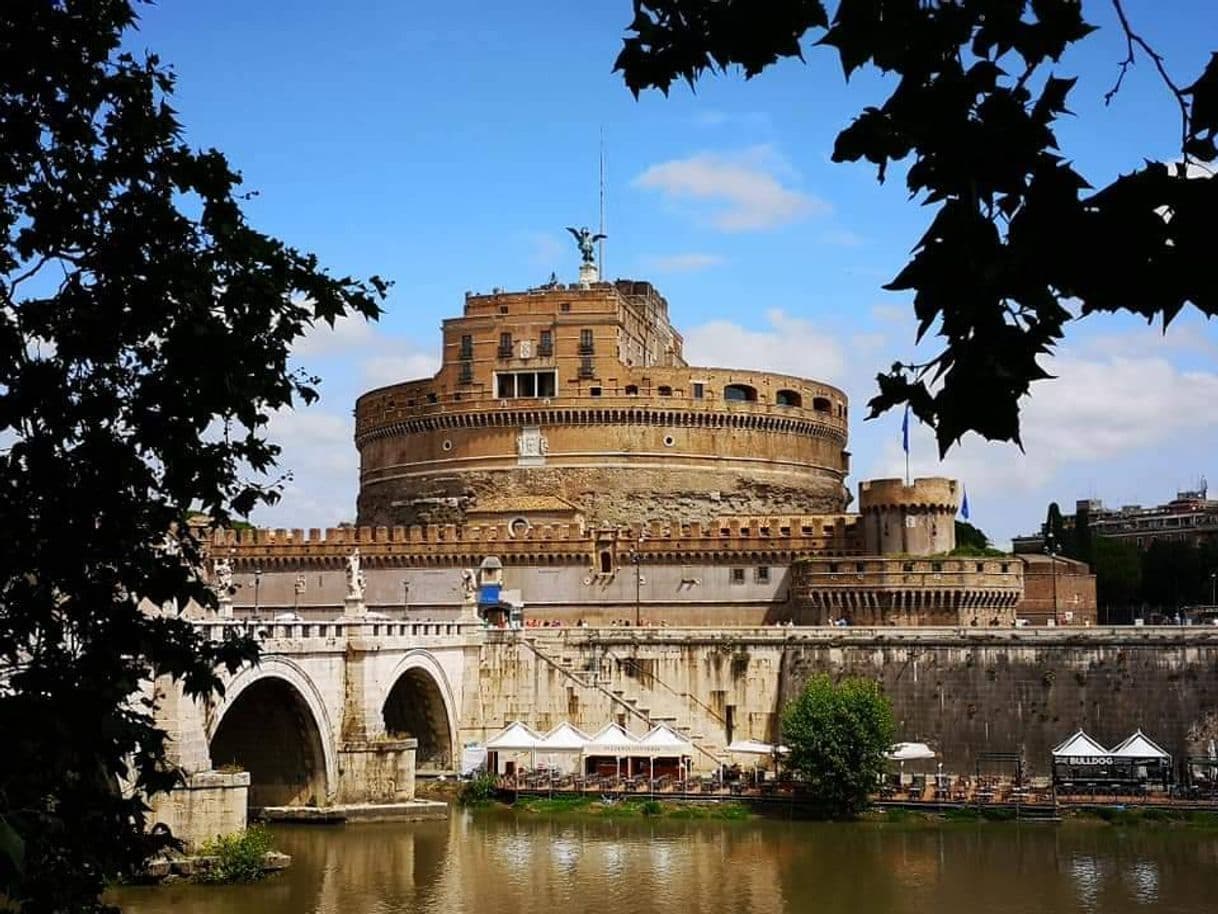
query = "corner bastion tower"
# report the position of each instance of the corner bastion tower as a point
(577, 400)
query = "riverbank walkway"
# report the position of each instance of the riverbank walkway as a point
(1037, 800)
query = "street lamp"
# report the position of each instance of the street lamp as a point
(1051, 551)
(635, 559)
(257, 587)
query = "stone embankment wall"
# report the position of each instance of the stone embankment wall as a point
(964, 691)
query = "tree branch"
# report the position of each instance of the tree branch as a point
(1133, 39)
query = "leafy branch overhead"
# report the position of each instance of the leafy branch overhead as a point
(145, 330)
(1017, 230)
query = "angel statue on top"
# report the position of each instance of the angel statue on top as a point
(586, 241)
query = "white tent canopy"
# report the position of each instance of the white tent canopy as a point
(613, 739)
(515, 737)
(908, 752)
(1080, 745)
(663, 741)
(565, 737)
(1139, 746)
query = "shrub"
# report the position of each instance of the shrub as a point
(477, 791)
(238, 857)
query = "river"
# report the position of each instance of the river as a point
(501, 862)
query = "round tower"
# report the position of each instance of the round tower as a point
(918, 519)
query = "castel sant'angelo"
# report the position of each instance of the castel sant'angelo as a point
(565, 436)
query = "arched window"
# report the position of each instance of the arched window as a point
(821, 404)
(788, 398)
(740, 393)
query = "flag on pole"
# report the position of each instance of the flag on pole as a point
(964, 505)
(905, 431)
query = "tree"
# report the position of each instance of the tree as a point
(1118, 573)
(145, 329)
(970, 537)
(839, 734)
(1017, 230)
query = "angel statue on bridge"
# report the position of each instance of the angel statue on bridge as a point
(586, 240)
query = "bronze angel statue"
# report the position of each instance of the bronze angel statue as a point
(585, 239)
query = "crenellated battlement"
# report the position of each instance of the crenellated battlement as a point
(543, 543)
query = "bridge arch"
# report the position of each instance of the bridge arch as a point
(419, 704)
(273, 723)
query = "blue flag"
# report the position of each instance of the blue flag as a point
(964, 506)
(905, 431)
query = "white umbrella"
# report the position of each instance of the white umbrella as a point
(907, 752)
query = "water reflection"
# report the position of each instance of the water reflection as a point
(497, 862)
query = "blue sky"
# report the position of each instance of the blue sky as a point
(445, 146)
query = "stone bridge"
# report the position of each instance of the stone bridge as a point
(335, 713)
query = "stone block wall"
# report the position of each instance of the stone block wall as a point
(207, 804)
(963, 691)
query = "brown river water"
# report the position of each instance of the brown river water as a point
(500, 862)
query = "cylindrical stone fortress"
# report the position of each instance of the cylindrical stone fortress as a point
(579, 397)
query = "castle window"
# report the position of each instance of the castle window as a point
(762, 574)
(606, 563)
(737, 575)
(467, 346)
(664, 391)
(788, 398)
(431, 398)
(936, 566)
(833, 568)
(503, 309)
(505, 345)
(594, 391)
(806, 530)
(907, 567)
(980, 567)
(525, 384)
(632, 390)
(585, 342)
(565, 307)
(860, 567)
(699, 390)
(822, 404)
(1005, 568)
(740, 393)
(784, 531)
(546, 343)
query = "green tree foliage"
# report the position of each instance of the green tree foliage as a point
(145, 329)
(1016, 228)
(839, 734)
(970, 537)
(1117, 565)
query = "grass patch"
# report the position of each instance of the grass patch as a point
(633, 808)
(238, 857)
(1133, 817)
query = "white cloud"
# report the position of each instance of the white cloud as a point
(1101, 412)
(746, 185)
(789, 345)
(682, 263)
(347, 334)
(320, 455)
(392, 367)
